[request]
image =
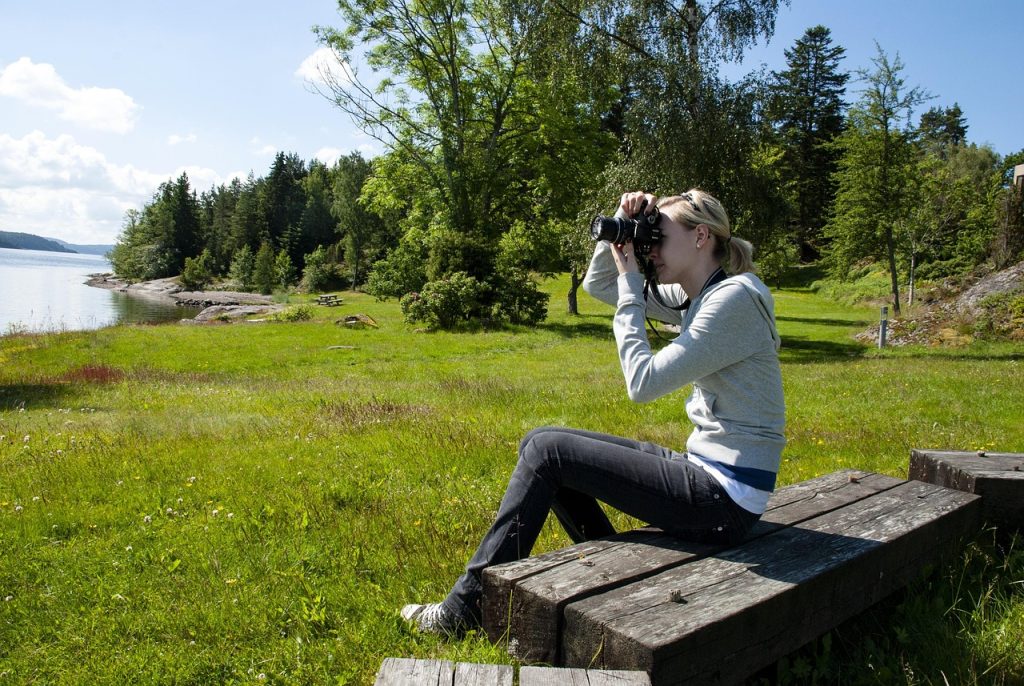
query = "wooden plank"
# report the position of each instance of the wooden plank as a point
(720, 619)
(525, 600)
(401, 671)
(997, 477)
(555, 676)
(611, 677)
(469, 674)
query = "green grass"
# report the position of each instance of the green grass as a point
(209, 504)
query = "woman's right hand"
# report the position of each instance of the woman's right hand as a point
(631, 202)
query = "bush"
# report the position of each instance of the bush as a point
(1002, 316)
(445, 303)
(298, 313)
(402, 271)
(197, 272)
(519, 300)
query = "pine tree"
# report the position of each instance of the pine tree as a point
(264, 273)
(808, 112)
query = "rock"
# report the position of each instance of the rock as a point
(1006, 281)
(158, 288)
(211, 298)
(227, 312)
(358, 321)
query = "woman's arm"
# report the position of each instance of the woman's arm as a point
(728, 328)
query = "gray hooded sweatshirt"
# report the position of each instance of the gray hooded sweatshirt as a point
(728, 349)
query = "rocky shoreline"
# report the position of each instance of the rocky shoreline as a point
(228, 304)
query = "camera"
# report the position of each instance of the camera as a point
(643, 230)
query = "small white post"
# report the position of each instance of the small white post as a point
(883, 327)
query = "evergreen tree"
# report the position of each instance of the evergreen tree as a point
(264, 276)
(942, 128)
(807, 110)
(284, 270)
(284, 195)
(243, 265)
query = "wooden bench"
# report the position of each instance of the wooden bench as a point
(997, 477)
(825, 550)
(328, 300)
(396, 671)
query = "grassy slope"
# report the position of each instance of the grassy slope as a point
(200, 504)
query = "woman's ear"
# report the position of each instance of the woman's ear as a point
(703, 232)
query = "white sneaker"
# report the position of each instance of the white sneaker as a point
(434, 618)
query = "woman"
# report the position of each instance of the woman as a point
(727, 348)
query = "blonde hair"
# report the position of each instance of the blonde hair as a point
(696, 207)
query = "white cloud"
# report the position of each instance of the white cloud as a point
(177, 139)
(57, 187)
(261, 148)
(328, 155)
(323, 68)
(39, 85)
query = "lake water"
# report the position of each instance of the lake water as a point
(46, 291)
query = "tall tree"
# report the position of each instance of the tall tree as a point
(807, 110)
(285, 199)
(941, 128)
(876, 171)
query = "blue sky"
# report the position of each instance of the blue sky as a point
(102, 101)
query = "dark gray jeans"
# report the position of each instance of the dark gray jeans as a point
(568, 471)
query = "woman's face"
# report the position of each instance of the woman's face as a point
(676, 253)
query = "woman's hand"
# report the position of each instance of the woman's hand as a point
(631, 202)
(629, 205)
(624, 258)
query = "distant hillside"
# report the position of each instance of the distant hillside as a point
(27, 241)
(85, 249)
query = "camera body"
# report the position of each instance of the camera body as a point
(642, 230)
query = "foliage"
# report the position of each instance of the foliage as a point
(284, 270)
(403, 271)
(807, 109)
(296, 313)
(519, 300)
(243, 266)
(263, 274)
(1002, 316)
(316, 277)
(876, 172)
(452, 300)
(198, 271)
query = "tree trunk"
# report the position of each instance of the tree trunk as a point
(573, 299)
(890, 248)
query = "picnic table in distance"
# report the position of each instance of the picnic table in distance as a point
(328, 299)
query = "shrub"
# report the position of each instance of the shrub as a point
(197, 272)
(316, 276)
(402, 271)
(1002, 316)
(445, 303)
(298, 313)
(518, 299)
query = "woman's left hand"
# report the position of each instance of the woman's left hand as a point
(624, 258)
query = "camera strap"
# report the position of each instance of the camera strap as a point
(651, 285)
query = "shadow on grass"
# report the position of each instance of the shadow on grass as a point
(851, 323)
(30, 396)
(599, 328)
(802, 350)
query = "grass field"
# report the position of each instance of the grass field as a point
(252, 503)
